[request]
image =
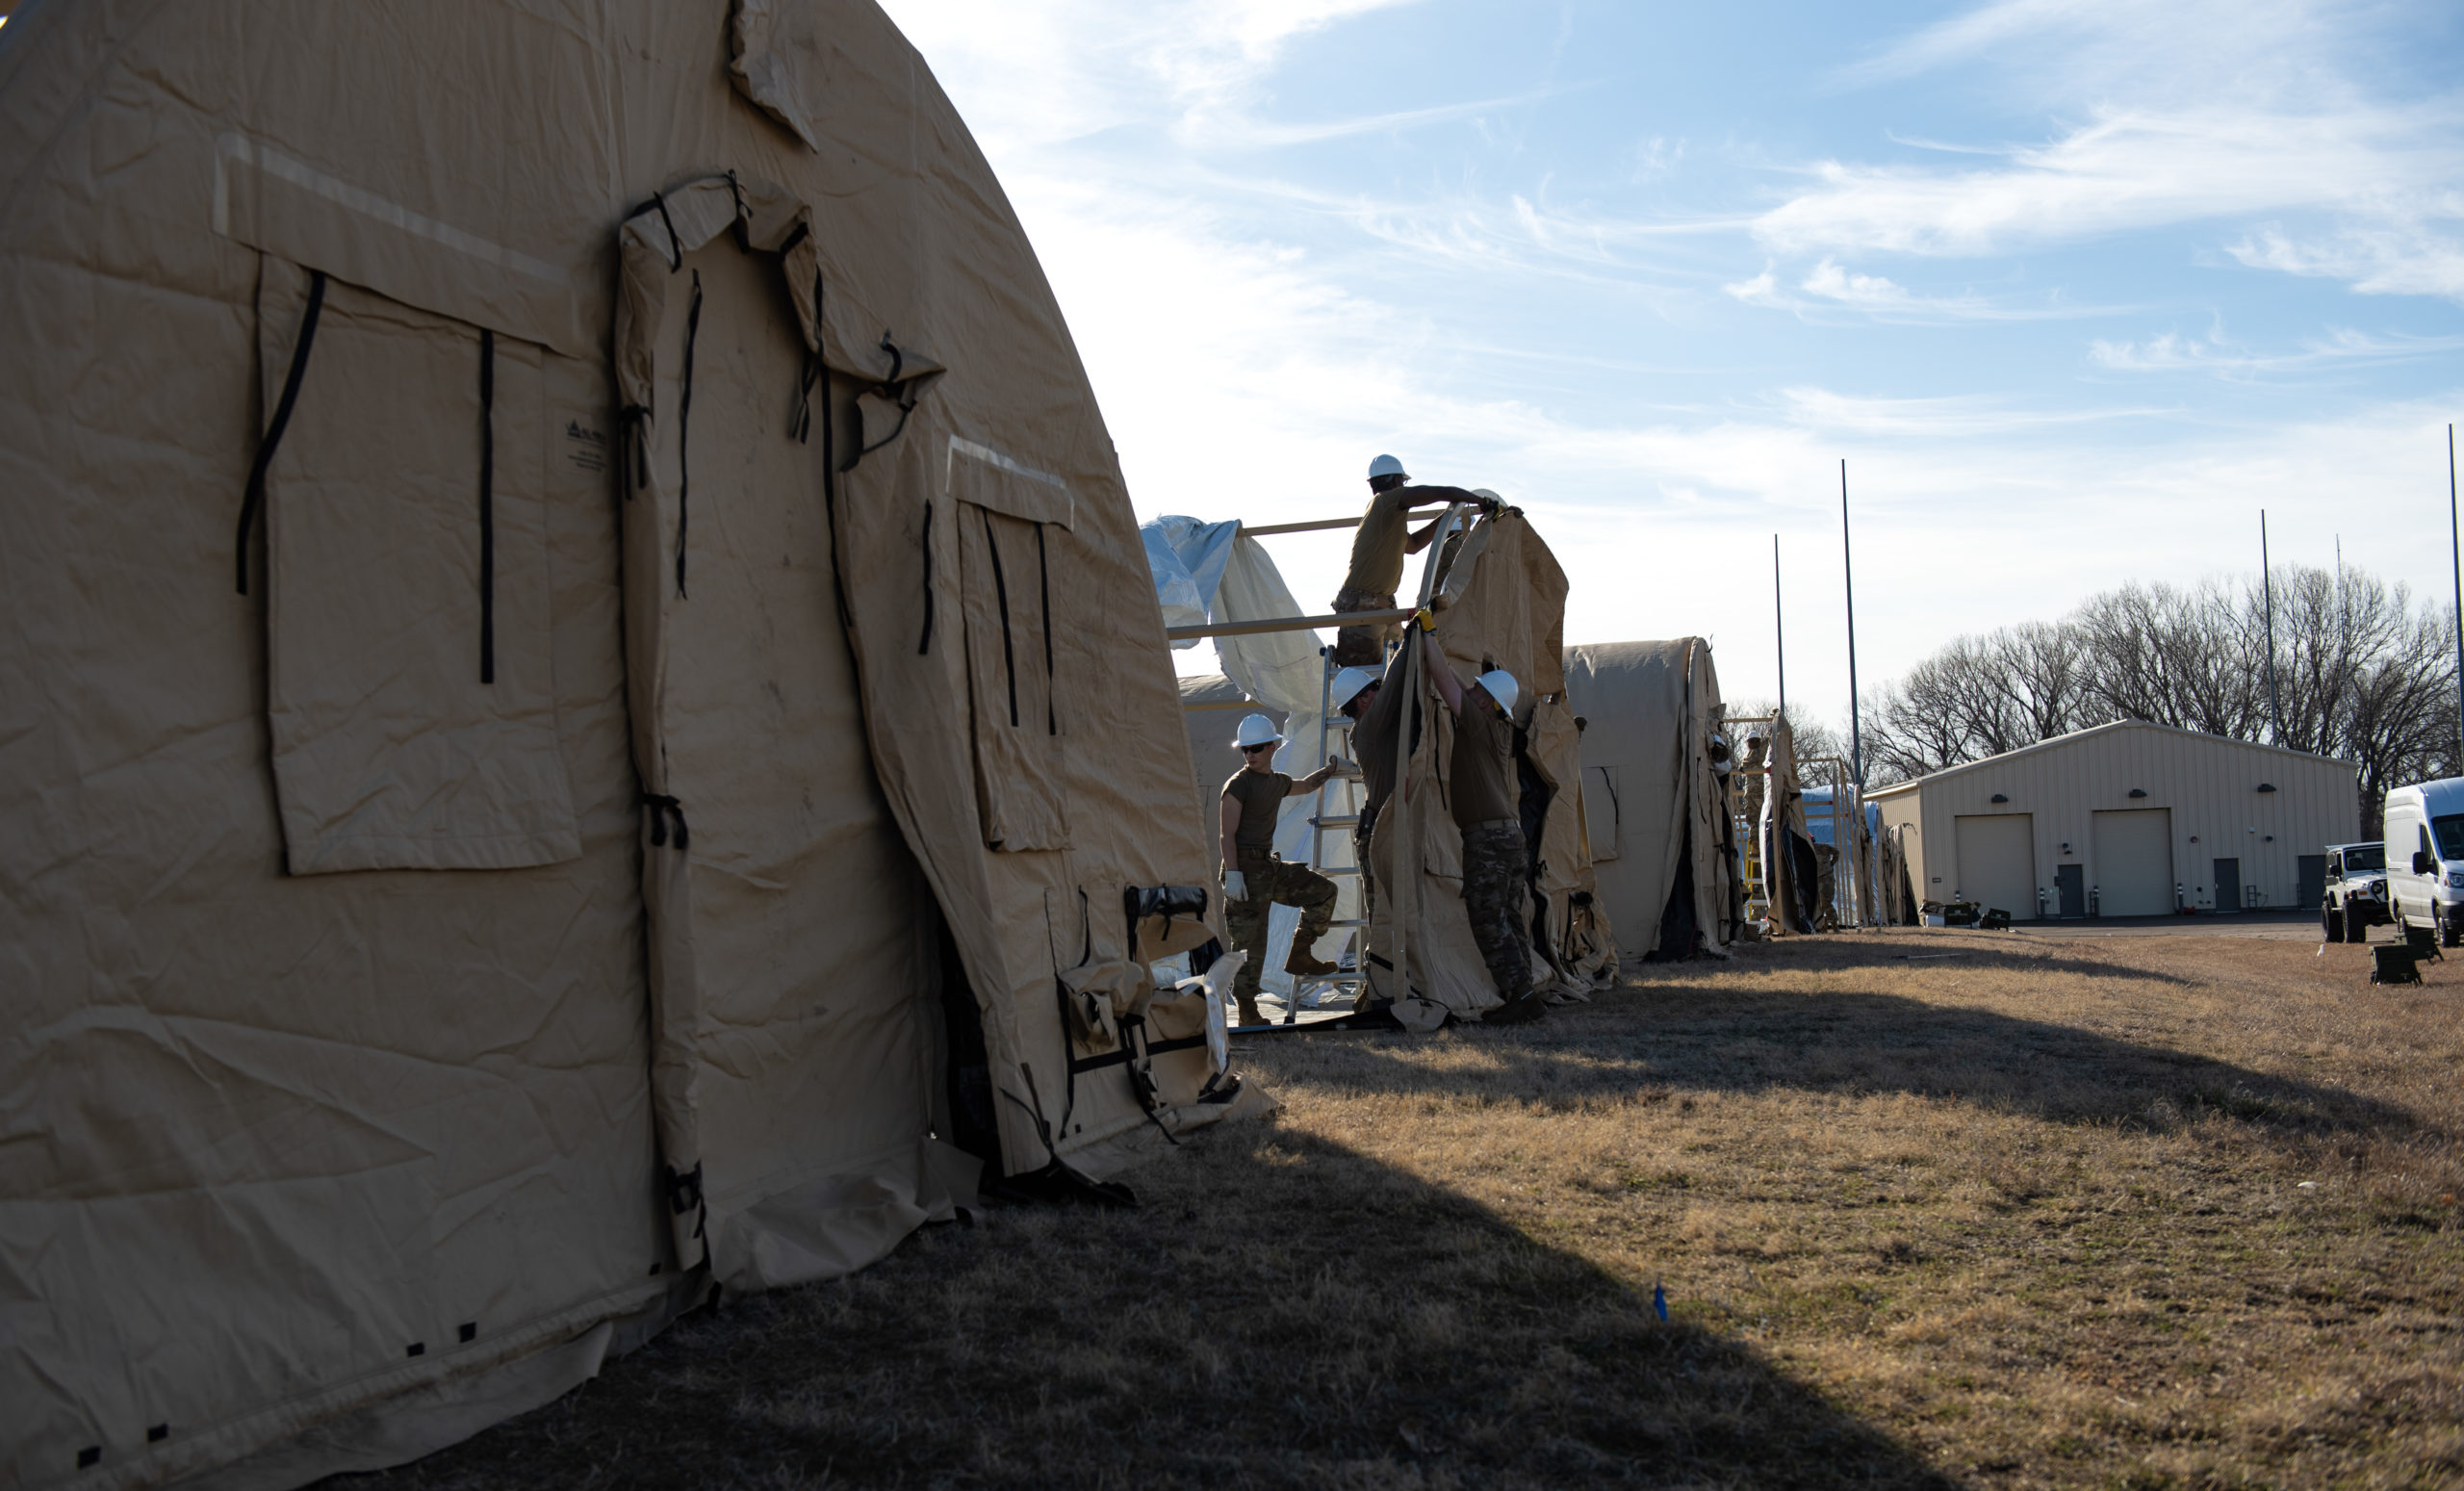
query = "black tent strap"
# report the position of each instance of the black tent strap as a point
(743, 219)
(924, 643)
(487, 506)
(1001, 591)
(255, 495)
(635, 420)
(1117, 1057)
(666, 810)
(897, 388)
(1043, 576)
(1044, 1125)
(675, 245)
(684, 429)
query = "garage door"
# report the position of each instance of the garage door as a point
(2131, 864)
(1997, 862)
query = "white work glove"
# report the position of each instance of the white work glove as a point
(1236, 885)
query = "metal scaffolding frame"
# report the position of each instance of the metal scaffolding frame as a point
(1330, 725)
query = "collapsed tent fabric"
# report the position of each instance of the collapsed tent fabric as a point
(1790, 876)
(1659, 831)
(1502, 599)
(581, 710)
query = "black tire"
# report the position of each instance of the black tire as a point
(2451, 933)
(2356, 930)
(2331, 922)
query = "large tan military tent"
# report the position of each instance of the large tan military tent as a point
(582, 710)
(1661, 839)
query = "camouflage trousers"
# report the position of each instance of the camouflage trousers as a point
(1363, 646)
(1245, 921)
(1495, 862)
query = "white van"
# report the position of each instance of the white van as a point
(2426, 857)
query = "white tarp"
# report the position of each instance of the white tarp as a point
(1237, 580)
(1186, 557)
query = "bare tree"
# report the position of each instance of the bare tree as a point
(2362, 673)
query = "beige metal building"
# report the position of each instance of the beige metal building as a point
(2128, 819)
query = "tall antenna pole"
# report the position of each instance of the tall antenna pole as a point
(2459, 566)
(1848, 563)
(1855, 737)
(2266, 588)
(1779, 625)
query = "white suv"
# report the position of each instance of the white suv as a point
(2356, 898)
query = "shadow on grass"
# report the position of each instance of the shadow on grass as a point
(2013, 952)
(1665, 1036)
(1281, 1311)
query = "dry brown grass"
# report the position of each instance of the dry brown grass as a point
(2031, 1215)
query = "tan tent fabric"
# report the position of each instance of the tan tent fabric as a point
(412, 705)
(1786, 847)
(1505, 598)
(317, 1170)
(1655, 811)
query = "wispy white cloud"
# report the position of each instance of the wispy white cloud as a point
(2195, 112)
(2173, 352)
(2065, 48)
(2125, 172)
(1828, 288)
(2401, 254)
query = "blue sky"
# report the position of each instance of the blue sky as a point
(2075, 288)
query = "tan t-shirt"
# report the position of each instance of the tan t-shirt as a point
(1261, 795)
(1377, 548)
(1483, 785)
(1372, 738)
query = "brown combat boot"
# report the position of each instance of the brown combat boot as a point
(1300, 961)
(1250, 1015)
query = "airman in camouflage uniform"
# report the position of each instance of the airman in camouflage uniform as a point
(1255, 876)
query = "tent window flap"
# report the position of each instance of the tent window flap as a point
(1016, 695)
(410, 700)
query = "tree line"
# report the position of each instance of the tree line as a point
(2364, 672)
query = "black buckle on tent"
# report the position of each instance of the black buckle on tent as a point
(683, 1192)
(1140, 902)
(897, 388)
(665, 809)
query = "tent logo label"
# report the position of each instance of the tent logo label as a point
(585, 447)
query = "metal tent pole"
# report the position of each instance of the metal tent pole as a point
(2267, 589)
(1779, 625)
(2457, 565)
(1856, 737)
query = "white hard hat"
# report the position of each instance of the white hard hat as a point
(1491, 496)
(1256, 730)
(1499, 685)
(1348, 683)
(1385, 466)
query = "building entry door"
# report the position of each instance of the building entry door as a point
(2228, 884)
(2312, 871)
(2131, 852)
(2071, 886)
